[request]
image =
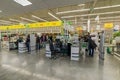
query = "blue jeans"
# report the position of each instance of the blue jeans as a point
(38, 46)
(91, 51)
(28, 46)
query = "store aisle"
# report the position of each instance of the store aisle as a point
(15, 66)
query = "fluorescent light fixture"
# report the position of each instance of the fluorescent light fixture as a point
(103, 18)
(102, 21)
(1, 23)
(69, 16)
(101, 13)
(28, 19)
(79, 10)
(23, 2)
(81, 5)
(105, 7)
(91, 14)
(39, 18)
(15, 20)
(81, 22)
(4, 21)
(54, 16)
(111, 21)
(116, 17)
(70, 20)
(83, 10)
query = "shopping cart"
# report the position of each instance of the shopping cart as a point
(83, 48)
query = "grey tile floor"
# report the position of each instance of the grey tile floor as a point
(14, 66)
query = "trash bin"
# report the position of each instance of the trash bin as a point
(108, 50)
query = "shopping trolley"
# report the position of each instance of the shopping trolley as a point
(83, 48)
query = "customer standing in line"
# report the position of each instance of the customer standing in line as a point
(91, 46)
(28, 43)
(37, 42)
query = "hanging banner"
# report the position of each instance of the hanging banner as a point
(45, 24)
(3, 27)
(33, 25)
(98, 27)
(108, 25)
(79, 28)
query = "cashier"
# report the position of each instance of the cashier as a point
(20, 39)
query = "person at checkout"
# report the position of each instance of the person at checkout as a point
(20, 39)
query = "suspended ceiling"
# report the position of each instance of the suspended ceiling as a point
(9, 7)
(40, 8)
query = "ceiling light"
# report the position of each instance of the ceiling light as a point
(91, 14)
(82, 10)
(70, 20)
(116, 17)
(68, 16)
(23, 2)
(81, 5)
(105, 7)
(53, 16)
(111, 21)
(79, 10)
(39, 18)
(101, 13)
(5, 21)
(102, 21)
(15, 20)
(28, 19)
(0, 10)
(102, 18)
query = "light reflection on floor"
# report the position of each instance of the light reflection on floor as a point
(14, 66)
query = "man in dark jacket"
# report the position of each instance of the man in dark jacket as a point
(91, 46)
(52, 49)
(28, 43)
(37, 42)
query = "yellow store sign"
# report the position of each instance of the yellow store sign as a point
(79, 28)
(33, 25)
(108, 25)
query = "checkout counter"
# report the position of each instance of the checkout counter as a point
(22, 47)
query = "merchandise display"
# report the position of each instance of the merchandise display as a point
(117, 41)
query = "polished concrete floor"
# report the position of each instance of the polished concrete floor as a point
(14, 66)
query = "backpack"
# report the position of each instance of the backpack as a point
(93, 44)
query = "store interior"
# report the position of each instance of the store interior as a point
(66, 22)
(62, 29)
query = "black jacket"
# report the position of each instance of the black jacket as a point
(92, 44)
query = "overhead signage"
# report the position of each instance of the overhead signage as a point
(116, 28)
(33, 25)
(108, 25)
(79, 28)
(98, 27)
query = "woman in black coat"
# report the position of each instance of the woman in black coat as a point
(91, 46)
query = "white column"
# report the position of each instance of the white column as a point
(88, 23)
